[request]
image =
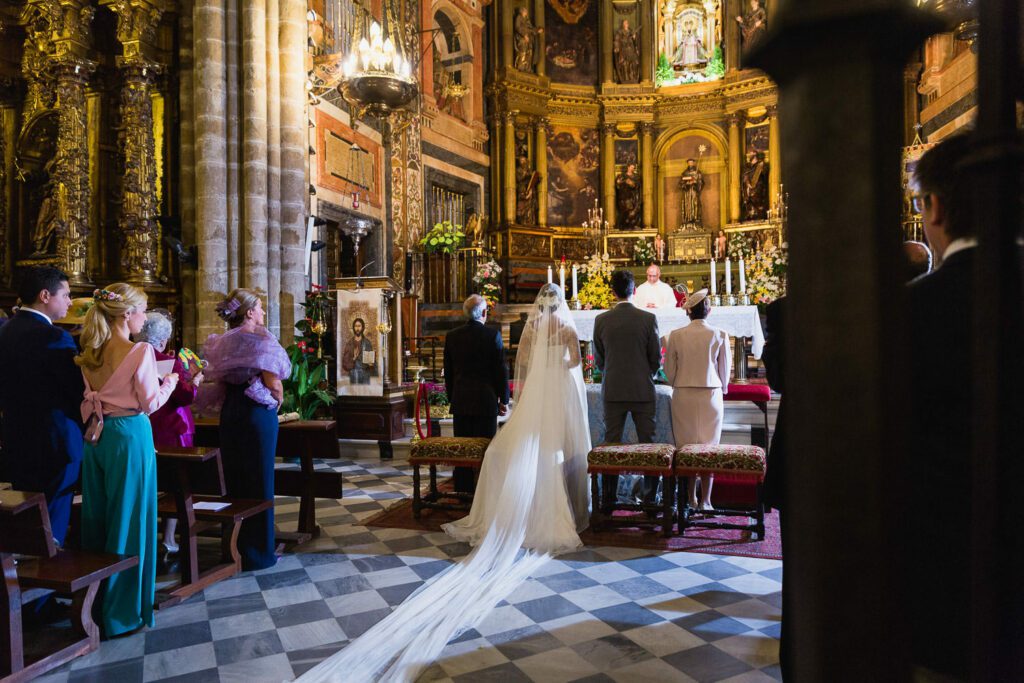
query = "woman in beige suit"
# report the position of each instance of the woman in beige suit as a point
(697, 368)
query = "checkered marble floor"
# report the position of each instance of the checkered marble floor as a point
(601, 614)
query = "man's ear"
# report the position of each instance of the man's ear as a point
(937, 207)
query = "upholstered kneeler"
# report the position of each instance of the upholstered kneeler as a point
(632, 458)
(451, 451)
(759, 395)
(728, 462)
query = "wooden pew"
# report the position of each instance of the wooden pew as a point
(186, 474)
(25, 530)
(307, 440)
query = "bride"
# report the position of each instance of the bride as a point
(530, 504)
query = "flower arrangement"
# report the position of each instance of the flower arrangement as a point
(766, 274)
(596, 292)
(444, 238)
(437, 399)
(741, 245)
(308, 392)
(643, 252)
(486, 279)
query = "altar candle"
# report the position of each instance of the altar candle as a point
(549, 275)
(743, 277)
(561, 277)
(574, 288)
(728, 276)
(714, 279)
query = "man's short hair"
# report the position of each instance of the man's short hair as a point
(941, 171)
(475, 307)
(33, 280)
(917, 258)
(623, 283)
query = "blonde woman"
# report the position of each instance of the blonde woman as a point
(119, 465)
(246, 367)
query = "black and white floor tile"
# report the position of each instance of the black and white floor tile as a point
(598, 615)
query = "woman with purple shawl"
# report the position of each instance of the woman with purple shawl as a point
(247, 364)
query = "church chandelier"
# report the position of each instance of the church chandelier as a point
(377, 74)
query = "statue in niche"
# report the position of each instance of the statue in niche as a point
(754, 187)
(47, 220)
(525, 41)
(627, 199)
(691, 53)
(473, 227)
(627, 54)
(691, 183)
(753, 25)
(526, 193)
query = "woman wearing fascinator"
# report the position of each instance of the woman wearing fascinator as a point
(246, 366)
(530, 504)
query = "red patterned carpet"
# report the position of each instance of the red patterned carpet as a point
(711, 541)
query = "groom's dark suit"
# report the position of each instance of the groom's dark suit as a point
(627, 350)
(476, 381)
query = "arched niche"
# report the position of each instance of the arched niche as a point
(453, 62)
(671, 153)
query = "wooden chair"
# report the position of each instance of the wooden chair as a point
(25, 530)
(632, 458)
(184, 473)
(731, 463)
(452, 451)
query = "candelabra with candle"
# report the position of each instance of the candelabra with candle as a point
(596, 227)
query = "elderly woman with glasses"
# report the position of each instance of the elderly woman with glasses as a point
(173, 424)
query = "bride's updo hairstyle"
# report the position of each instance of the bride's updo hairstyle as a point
(109, 304)
(239, 302)
(550, 297)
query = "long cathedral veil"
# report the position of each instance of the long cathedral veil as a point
(536, 460)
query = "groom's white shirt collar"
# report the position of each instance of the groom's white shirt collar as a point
(29, 309)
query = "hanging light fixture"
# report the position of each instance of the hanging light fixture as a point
(377, 74)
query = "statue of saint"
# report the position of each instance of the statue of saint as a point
(526, 193)
(754, 187)
(47, 220)
(473, 227)
(753, 25)
(627, 54)
(691, 53)
(721, 245)
(525, 41)
(691, 182)
(627, 199)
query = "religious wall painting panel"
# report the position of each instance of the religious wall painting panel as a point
(529, 246)
(621, 248)
(626, 152)
(573, 174)
(693, 175)
(689, 41)
(571, 41)
(757, 138)
(574, 249)
(359, 362)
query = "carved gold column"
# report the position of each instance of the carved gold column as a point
(136, 29)
(540, 126)
(71, 168)
(774, 153)
(647, 24)
(735, 161)
(509, 135)
(647, 159)
(608, 172)
(506, 15)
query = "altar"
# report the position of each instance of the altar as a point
(736, 321)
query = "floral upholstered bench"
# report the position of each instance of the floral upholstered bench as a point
(729, 462)
(651, 459)
(451, 451)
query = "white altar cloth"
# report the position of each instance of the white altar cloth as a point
(737, 321)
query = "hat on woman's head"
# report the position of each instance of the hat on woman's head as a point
(76, 312)
(695, 298)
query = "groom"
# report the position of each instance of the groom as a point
(627, 350)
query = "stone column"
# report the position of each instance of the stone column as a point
(647, 158)
(605, 20)
(71, 169)
(608, 172)
(540, 126)
(509, 135)
(538, 21)
(775, 154)
(274, 169)
(254, 145)
(234, 76)
(187, 169)
(413, 199)
(735, 165)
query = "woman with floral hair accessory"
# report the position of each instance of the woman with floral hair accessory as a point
(119, 465)
(246, 366)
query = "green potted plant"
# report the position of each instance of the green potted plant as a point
(308, 391)
(444, 238)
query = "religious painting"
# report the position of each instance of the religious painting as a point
(530, 246)
(757, 138)
(573, 249)
(359, 360)
(690, 42)
(693, 176)
(571, 41)
(626, 152)
(621, 248)
(573, 174)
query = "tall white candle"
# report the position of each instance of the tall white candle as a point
(714, 278)
(728, 275)
(561, 277)
(575, 290)
(743, 277)
(549, 275)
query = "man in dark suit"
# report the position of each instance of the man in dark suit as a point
(41, 393)
(627, 351)
(475, 379)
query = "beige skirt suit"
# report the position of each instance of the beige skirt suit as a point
(697, 367)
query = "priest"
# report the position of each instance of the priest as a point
(654, 293)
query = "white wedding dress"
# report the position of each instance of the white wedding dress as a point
(531, 501)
